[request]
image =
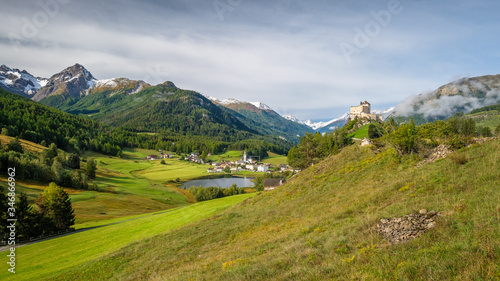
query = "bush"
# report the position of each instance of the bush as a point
(486, 132)
(15, 145)
(405, 139)
(459, 158)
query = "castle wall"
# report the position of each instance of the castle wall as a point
(363, 111)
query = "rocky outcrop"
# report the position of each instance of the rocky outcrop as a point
(437, 153)
(20, 82)
(74, 81)
(402, 229)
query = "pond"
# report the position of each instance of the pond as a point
(220, 182)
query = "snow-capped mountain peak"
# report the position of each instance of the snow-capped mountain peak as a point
(337, 122)
(385, 113)
(19, 81)
(260, 105)
(292, 118)
(230, 101)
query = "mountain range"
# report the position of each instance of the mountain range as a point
(116, 101)
(139, 106)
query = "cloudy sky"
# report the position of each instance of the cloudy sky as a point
(312, 59)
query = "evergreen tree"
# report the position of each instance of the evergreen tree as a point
(74, 161)
(54, 205)
(24, 215)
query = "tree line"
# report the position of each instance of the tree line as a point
(20, 117)
(209, 193)
(406, 137)
(51, 212)
(314, 147)
(51, 165)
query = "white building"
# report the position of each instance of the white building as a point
(262, 168)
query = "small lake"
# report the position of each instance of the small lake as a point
(220, 182)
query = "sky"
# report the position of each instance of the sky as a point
(312, 59)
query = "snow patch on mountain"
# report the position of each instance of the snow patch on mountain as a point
(21, 81)
(230, 101)
(260, 105)
(385, 113)
(320, 125)
(292, 118)
(106, 82)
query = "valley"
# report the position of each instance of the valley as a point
(323, 204)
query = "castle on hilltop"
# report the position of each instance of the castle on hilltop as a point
(363, 110)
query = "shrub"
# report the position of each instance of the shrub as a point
(459, 158)
(404, 139)
(486, 132)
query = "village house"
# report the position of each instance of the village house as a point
(250, 167)
(262, 168)
(152, 157)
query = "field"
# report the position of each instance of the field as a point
(171, 170)
(232, 155)
(128, 186)
(275, 159)
(48, 258)
(321, 226)
(27, 145)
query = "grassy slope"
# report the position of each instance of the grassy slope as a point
(275, 159)
(361, 133)
(320, 225)
(27, 145)
(56, 256)
(486, 119)
(232, 155)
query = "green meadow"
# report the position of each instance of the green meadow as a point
(361, 133)
(56, 256)
(275, 159)
(321, 226)
(232, 155)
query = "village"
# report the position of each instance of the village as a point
(246, 163)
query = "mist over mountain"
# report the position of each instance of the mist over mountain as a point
(462, 95)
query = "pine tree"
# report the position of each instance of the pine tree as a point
(24, 217)
(54, 207)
